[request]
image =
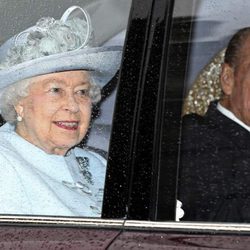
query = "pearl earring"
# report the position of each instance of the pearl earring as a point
(19, 118)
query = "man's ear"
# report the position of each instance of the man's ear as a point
(227, 79)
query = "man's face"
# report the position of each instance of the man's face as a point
(236, 85)
(56, 113)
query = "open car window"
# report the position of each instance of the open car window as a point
(108, 20)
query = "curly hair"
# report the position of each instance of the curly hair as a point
(11, 95)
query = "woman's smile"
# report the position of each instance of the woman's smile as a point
(68, 125)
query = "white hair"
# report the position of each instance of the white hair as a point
(11, 95)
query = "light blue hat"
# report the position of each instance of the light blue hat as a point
(58, 45)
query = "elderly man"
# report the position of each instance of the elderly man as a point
(214, 179)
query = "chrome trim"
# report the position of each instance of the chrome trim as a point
(61, 221)
(186, 226)
(125, 225)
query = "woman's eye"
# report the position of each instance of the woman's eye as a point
(55, 90)
(83, 92)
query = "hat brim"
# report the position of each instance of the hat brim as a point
(103, 62)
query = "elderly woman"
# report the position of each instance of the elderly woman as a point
(49, 78)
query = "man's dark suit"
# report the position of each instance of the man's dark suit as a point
(214, 174)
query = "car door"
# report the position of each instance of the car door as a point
(139, 209)
(181, 39)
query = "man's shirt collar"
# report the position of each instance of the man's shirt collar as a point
(231, 116)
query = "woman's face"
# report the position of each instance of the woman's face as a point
(56, 113)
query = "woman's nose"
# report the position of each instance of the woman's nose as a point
(71, 104)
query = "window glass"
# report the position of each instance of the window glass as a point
(214, 145)
(58, 65)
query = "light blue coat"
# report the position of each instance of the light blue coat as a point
(36, 183)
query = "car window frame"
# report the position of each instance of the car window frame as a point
(127, 215)
(143, 82)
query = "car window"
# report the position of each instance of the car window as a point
(212, 135)
(108, 20)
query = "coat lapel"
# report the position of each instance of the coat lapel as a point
(235, 133)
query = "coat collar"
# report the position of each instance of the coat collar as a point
(232, 130)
